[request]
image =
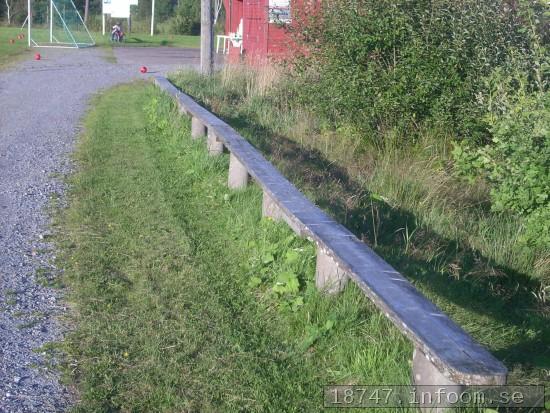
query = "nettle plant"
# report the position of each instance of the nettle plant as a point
(281, 268)
(155, 109)
(281, 272)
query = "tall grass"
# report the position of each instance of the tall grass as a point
(159, 257)
(417, 178)
(406, 203)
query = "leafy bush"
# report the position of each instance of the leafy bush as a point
(380, 65)
(537, 228)
(279, 269)
(390, 69)
(187, 18)
(517, 159)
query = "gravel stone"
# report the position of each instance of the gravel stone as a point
(41, 105)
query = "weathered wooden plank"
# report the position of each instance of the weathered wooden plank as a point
(447, 346)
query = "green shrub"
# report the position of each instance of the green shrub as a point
(187, 18)
(381, 65)
(537, 228)
(516, 161)
(392, 69)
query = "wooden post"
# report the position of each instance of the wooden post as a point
(238, 175)
(51, 21)
(86, 10)
(152, 18)
(207, 44)
(29, 22)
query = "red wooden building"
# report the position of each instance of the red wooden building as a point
(255, 29)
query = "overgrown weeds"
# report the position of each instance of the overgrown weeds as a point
(185, 299)
(417, 178)
(406, 202)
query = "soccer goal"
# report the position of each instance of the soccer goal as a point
(56, 23)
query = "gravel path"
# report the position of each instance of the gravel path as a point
(41, 104)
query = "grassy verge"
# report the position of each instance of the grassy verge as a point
(184, 298)
(132, 39)
(12, 52)
(145, 40)
(404, 202)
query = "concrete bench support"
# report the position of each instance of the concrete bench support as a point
(181, 109)
(198, 130)
(431, 385)
(238, 175)
(329, 277)
(434, 385)
(270, 209)
(215, 146)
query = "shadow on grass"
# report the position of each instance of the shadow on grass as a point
(136, 41)
(495, 304)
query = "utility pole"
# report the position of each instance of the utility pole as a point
(29, 22)
(86, 10)
(207, 41)
(152, 18)
(51, 21)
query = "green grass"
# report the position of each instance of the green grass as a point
(11, 53)
(183, 297)
(436, 231)
(145, 40)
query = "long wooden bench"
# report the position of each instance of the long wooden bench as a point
(444, 353)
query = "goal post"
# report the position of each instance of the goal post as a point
(56, 23)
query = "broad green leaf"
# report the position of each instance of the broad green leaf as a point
(254, 282)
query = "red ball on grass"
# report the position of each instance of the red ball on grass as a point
(37, 56)
(143, 69)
